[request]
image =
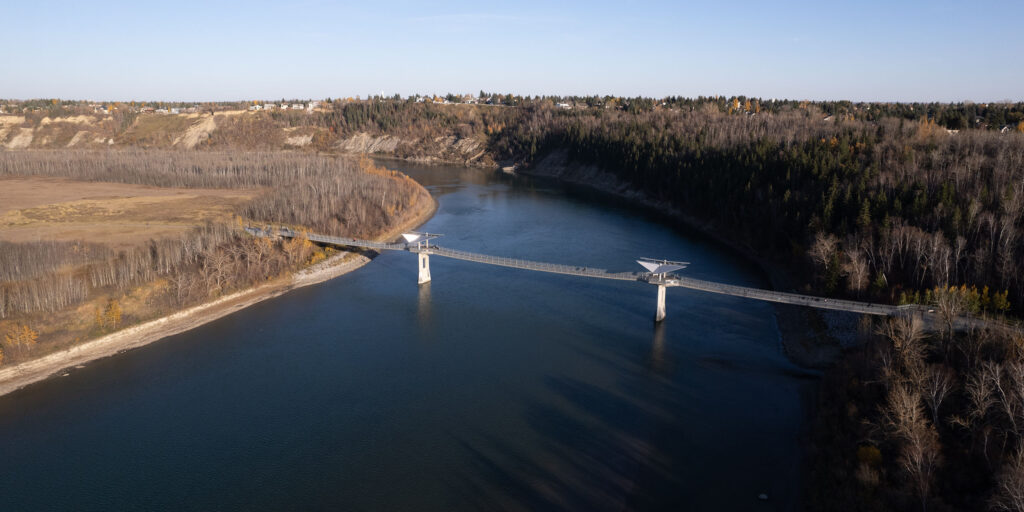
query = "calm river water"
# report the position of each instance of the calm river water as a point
(488, 389)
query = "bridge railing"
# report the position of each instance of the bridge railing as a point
(667, 280)
(554, 268)
(788, 298)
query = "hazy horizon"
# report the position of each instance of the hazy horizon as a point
(913, 51)
(287, 98)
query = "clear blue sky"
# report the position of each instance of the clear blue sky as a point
(211, 50)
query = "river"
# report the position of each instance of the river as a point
(488, 389)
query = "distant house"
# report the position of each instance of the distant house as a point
(269, 106)
(565, 106)
(175, 111)
(161, 111)
(313, 105)
(298, 106)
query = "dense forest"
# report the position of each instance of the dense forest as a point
(40, 279)
(883, 208)
(922, 421)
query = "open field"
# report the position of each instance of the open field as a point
(121, 215)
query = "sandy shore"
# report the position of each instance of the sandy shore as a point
(18, 376)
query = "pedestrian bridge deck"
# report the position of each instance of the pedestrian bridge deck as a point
(667, 280)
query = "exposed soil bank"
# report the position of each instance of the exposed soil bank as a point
(58, 363)
(452, 150)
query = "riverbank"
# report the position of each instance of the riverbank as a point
(62, 362)
(478, 370)
(809, 338)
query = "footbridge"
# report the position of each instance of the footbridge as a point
(659, 272)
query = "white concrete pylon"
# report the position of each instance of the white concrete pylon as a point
(659, 314)
(424, 265)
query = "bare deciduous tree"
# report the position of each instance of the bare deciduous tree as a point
(1009, 489)
(907, 336)
(920, 458)
(951, 304)
(824, 248)
(939, 381)
(856, 270)
(903, 411)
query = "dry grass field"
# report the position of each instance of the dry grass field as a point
(119, 215)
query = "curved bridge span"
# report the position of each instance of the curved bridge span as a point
(664, 280)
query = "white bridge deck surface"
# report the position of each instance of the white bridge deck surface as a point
(670, 280)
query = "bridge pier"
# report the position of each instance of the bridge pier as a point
(424, 265)
(659, 314)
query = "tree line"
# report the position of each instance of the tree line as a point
(880, 198)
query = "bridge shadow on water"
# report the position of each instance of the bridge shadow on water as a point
(591, 462)
(594, 449)
(651, 439)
